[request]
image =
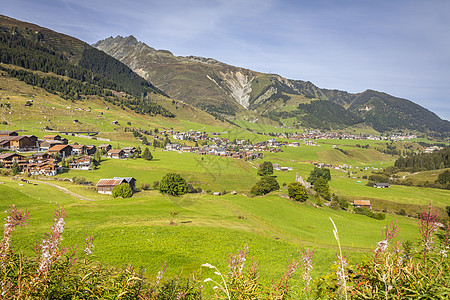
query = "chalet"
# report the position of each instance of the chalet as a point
(81, 163)
(19, 143)
(186, 149)
(55, 137)
(117, 154)
(8, 133)
(78, 150)
(40, 158)
(46, 168)
(362, 203)
(130, 180)
(104, 147)
(90, 149)
(381, 185)
(44, 145)
(128, 151)
(8, 159)
(51, 137)
(105, 186)
(61, 150)
(172, 147)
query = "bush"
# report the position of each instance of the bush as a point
(264, 186)
(297, 192)
(319, 173)
(322, 188)
(156, 185)
(145, 186)
(122, 190)
(266, 168)
(173, 184)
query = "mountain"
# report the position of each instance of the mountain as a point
(71, 68)
(236, 92)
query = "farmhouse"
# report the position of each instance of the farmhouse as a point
(381, 185)
(117, 154)
(40, 158)
(362, 203)
(105, 186)
(8, 133)
(8, 159)
(104, 147)
(19, 143)
(78, 150)
(81, 163)
(46, 168)
(62, 150)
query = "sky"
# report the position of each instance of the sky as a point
(400, 47)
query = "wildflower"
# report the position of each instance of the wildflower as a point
(89, 241)
(237, 262)
(161, 273)
(14, 219)
(307, 266)
(49, 248)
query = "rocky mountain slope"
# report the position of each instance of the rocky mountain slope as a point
(233, 91)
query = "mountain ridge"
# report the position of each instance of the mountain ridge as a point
(234, 91)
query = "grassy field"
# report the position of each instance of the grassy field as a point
(207, 228)
(137, 230)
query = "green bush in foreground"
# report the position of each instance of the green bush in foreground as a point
(122, 190)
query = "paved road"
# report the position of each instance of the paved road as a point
(64, 190)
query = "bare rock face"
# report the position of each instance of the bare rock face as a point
(239, 85)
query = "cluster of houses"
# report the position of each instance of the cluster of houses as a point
(317, 134)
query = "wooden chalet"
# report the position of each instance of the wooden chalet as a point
(117, 154)
(7, 159)
(104, 147)
(8, 133)
(78, 150)
(128, 151)
(62, 150)
(47, 168)
(40, 158)
(19, 142)
(362, 203)
(90, 149)
(105, 186)
(81, 163)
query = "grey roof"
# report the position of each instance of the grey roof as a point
(127, 179)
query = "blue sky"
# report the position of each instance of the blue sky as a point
(400, 47)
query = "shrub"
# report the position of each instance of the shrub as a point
(122, 190)
(322, 188)
(173, 184)
(266, 168)
(156, 185)
(319, 173)
(264, 186)
(145, 186)
(297, 192)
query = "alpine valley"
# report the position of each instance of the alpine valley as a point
(170, 165)
(238, 93)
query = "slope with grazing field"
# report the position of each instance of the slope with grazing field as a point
(137, 230)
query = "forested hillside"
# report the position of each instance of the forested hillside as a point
(428, 161)
(27, 46)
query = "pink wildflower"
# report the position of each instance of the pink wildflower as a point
(14, 219)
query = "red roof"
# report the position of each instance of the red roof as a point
(109, 182)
